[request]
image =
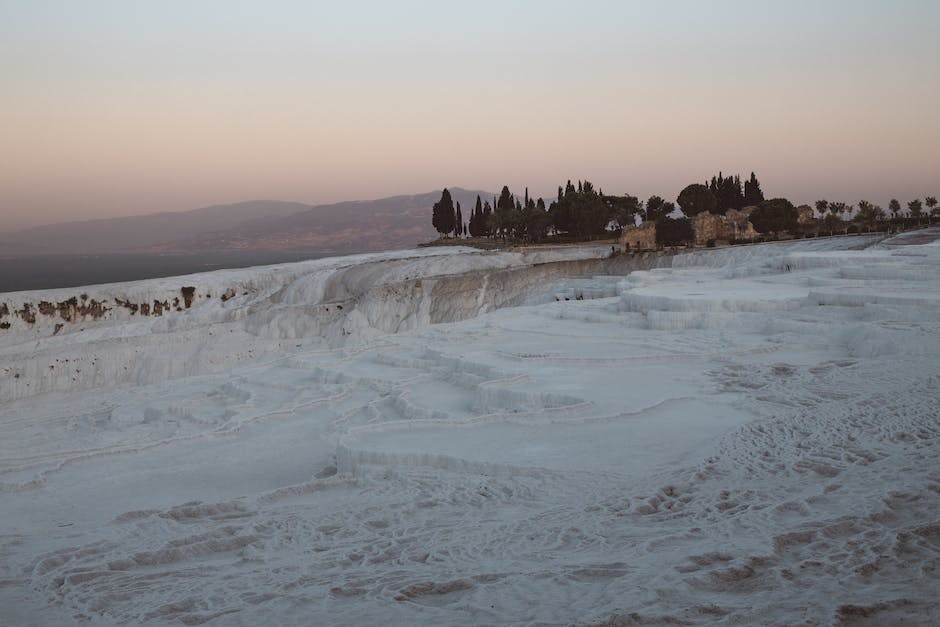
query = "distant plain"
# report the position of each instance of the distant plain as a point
(35, 272)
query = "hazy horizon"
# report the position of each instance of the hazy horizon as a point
(116, 109)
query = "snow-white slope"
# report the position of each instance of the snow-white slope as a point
(744, 435)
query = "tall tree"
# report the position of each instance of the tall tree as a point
(505, 212)
(580, 211)
(752, 192)
(829, 214)
(487, 219)
(869, 213)
(475, 225)
(727, 191)
(695, 199)
(654, 208)
(623, 209)
(536, 220)
(775, 215)
(674, 231)
(916, 209)
(442, 216)
(458, 221)
(894, 207)
(931, 202)
(561, 210)
(838, 208)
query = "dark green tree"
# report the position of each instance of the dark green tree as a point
(752, 192)
(622, 209)
(458, 221)
(838, 208)
(695, 199)
(560, 210)
(504, 214)
(517, 222)
(654, 208)
(487, 219)
(894, 207)
(580, 211)
(832, 222)
(591, 215)
(822, 206)
(674, 231)
(536, 220)
(443, 217)
(473, 225)
(727, 192)
(916, 209)
(931, 202)
(776, 215)
(868, 213)
(834, 219)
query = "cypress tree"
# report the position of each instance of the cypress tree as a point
(458, 222)
(727, 192)
(487, 215)
(752, 192)
(442, 216)
(475, 226)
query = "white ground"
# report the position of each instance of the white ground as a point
(748, 437)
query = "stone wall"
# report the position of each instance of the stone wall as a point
(709, 227)
(741, 225)
(733, 226)
(641, 237)
(806, 214)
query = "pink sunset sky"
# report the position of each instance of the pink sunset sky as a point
(116, 108)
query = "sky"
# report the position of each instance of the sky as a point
(121, 108)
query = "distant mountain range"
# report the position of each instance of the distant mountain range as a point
(270, 225)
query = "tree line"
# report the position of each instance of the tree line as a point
(578, 212)
(581, 212)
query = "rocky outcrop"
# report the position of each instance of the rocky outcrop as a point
(805, 214)
(733, 226)
(81, 308)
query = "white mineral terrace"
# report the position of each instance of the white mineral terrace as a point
(746, 435)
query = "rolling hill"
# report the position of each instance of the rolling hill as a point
(351, 226)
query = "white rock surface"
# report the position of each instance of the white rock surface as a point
(745, 435)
